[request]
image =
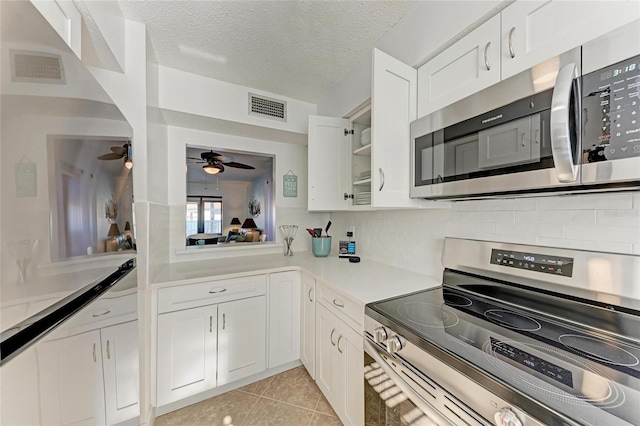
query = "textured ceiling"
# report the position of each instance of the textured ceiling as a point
(298, 49)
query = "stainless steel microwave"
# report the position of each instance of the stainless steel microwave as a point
(569, 124)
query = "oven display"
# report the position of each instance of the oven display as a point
(543, 367)
(533, 262)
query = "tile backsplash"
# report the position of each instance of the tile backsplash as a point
(412, 239)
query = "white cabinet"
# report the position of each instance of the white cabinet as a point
(71, 381)
(469, 65)
(339, 360)
(534, 31)
(375, 174)
(65, 19)
(186, 353)
(284, 318)
(328, 151)
(195, 345)
(241, 339)
(308, 324)
(90, 378)
(121, 367)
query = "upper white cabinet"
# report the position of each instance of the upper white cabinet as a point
(328, 163)
(366, 171)
(523, 35)
(64, 17)
(534, 31)
(284, 318)
(468, 66)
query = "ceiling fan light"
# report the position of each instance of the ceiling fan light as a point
(128, 163)
(211, 169)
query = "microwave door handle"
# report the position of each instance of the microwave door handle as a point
(561, 112)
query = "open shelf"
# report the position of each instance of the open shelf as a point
(364, 151)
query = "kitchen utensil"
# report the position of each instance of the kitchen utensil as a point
(317, 232)
(289, 232)
(310, 231)
(326, 230)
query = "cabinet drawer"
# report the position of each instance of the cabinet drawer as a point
(104, 312)
(345, 308)
(207, 293)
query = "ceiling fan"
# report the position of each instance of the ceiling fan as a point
(119, 152)
(214, 163)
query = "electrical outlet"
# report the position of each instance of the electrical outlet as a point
(352, 229)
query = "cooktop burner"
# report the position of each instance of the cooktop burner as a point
(512, 320)
(600, 350)
(456, 299)
(427, 315)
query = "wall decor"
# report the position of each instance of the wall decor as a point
(26, 182)
(254, 207)
(290, 184)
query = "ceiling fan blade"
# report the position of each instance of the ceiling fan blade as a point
(110, 156)
(194, 158)
(119, 150)
(214, 156)
(239, 165)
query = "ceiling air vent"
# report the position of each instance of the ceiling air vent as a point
(36, 67)
(267, 107)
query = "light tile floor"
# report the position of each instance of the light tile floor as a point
(289, 398)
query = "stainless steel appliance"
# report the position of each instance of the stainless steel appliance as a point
(567, 124)
(516, 335)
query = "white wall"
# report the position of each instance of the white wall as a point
(412, 239)
(288, 210)
(194, 94)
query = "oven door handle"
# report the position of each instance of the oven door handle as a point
(566, 167)
(426, 408)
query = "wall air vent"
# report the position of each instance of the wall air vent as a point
(36, 67)
(267, 108)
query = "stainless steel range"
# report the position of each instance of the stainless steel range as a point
(516, 335)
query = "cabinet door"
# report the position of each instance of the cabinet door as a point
(71, 382)
(470, 65)
(241, 338)
(284, 318)
(186, 353)
(329, 168)
(308, 318)
(329, 373)
(351, 351)
(393, 107)
(534, 31)
(121, 371)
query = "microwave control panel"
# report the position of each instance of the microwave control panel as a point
(611, 112)
(533, 262)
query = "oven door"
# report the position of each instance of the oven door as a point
(396, 395)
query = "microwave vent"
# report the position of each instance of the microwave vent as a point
(267, 107)
(36, 67)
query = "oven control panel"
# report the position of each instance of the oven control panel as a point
(533, 262)
(533, 362)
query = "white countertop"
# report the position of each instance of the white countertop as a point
(366, 281)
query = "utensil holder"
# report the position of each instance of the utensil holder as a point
(321, 247)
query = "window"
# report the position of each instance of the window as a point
(204, 215)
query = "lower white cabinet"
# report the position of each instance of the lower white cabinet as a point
(121, 366)
(241, 339)
(195, 345)
(339, 360)
(90, 378)
(308, 324)
(284, 318)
